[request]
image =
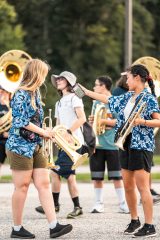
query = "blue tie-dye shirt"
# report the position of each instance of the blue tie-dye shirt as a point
(142, 136)
(22, 112)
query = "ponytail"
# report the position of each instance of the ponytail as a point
(143, 72)
(151, 85)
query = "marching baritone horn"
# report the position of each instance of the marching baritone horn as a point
(100, 113)
(59, 140)
(69, 148)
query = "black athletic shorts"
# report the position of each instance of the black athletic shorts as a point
(133, 159)
(98, 162)
(2, 153)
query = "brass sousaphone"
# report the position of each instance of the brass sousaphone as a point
(153, 66)
(12, 64)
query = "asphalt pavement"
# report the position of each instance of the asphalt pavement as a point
(104, 226)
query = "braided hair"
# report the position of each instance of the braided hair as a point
(143, 72)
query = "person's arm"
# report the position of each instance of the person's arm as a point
(155, 122)
(46, 133)
(97, 96)
(81, 118)
(108, 122)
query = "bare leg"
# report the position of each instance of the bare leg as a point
(43, 186)
(130, 192)
(55, 182)
(72, 186)
(142, 181)
(21, 180)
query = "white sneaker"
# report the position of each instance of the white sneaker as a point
(123, 208)
(98, 208)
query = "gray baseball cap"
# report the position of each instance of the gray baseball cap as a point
(70, 77)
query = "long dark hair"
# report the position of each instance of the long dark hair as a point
(143, 72)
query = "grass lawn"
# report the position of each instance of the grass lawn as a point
(81, 177)
(156, 159)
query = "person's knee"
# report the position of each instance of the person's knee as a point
(23, 187)
(71, 180)
(98, 183)
(43, 184)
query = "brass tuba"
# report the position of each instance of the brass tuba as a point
(12, 65)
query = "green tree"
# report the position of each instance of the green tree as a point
(85, 37)
(11, 33)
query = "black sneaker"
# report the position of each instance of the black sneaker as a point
(154, 193)
(75, 213)
(40, 209)
(156, 200)
(132, 227)
(22, 233)
(57, 208)
(60, 230)
(148, 230)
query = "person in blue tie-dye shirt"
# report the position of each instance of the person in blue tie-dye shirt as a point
(24, 151)
(136, 160)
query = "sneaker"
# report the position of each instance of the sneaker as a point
(40, 209)
(98, 208)
(123, 208)
(154, 193)
(22, 233)
(76, 212)
(132, 227)
(60, 230)
(57, 208)
(156, 200)
(147, 230)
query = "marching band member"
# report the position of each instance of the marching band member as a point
(4, 108)
(121, 88)
(106, 152)
(24, 151)
(70, 113)
(136, 160)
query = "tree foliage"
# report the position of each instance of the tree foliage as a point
(11, 33)
(86, 37)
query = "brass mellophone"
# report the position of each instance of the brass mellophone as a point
(69, 148)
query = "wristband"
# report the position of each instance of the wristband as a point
(69, 131)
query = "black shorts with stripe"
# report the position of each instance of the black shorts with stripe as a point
(102, 158)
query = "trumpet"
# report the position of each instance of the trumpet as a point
(47, 145)
(127, 128)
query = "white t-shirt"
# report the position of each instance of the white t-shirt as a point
(128, 109)
(65, 112)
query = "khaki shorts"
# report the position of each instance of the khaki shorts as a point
(19, 162)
